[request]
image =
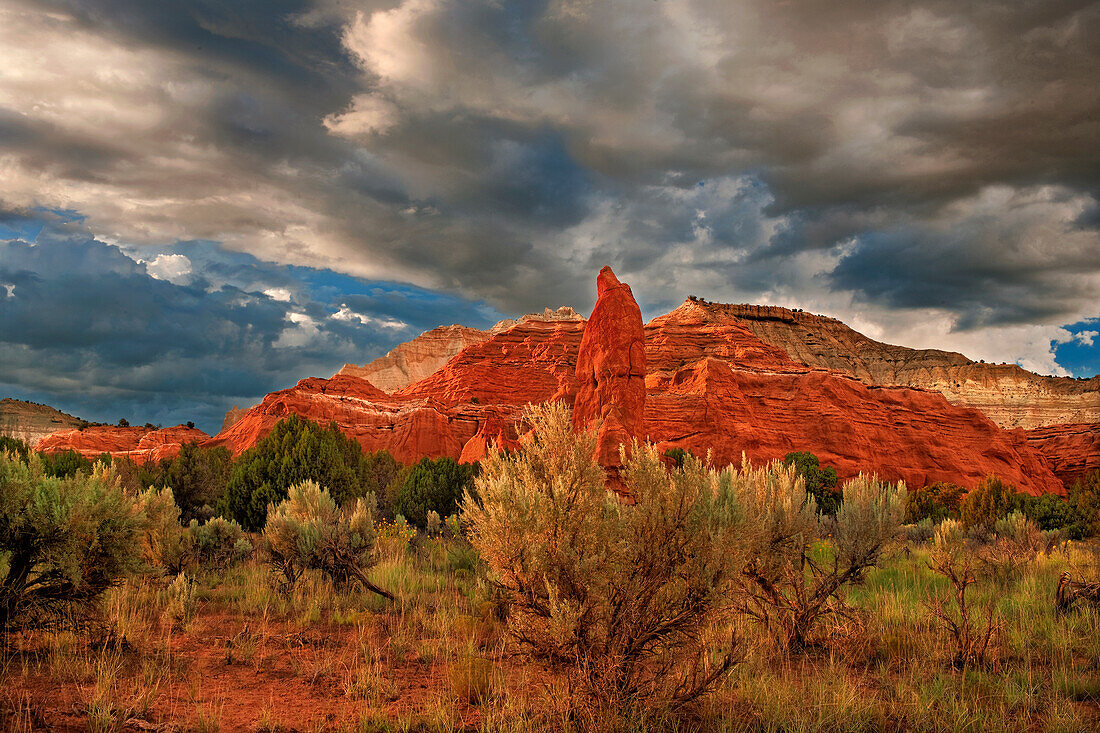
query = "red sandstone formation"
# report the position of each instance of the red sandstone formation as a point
(899, 433)
(610, 373)
(426, 354)
(533, 361)
(139, 444)
(1071, 450)
(713, 384)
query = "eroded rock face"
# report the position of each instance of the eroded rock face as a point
(899, 433)
(31, 422)
(1071, 450)
(610, 372)
(139, 444)
(1010, 396)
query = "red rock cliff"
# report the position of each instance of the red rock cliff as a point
(139, 444)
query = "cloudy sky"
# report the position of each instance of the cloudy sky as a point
(203, 201)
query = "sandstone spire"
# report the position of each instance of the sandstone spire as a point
(611, 367)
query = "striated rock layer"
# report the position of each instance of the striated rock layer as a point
(610, 374)
(1010, 396)
(712, 384)
(1071, 450)
(31, 422)
(139, 444)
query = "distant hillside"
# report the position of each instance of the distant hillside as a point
(31, 422)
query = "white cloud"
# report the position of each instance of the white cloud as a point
(369, 114)
(174, 268)
(346, 314)
(280, 294)
(303, 331)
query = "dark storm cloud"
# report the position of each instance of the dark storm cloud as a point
(903, 162)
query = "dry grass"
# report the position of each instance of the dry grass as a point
(251, 658)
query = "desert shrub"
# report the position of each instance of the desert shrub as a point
(987, 502)
(295, 451)
(820, 482)
(432, 485)
(63, 542)
(179, 606)
(308, 530)
(1016, 541)
(615, 596)
(920, 532)
(165, 543)
(433, 525)
(219, 543)
(936, 502)
(795, 577)
(949, 533)
(955, 611)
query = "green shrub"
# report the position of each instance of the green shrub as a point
(987, 502)
(65, 464)
(949, 534)
(308, 530)
(296, 450)
(676, 456)
(936, 502)
(16, 447)
(820, 482)
(63, 542)
(1052, 512)
(198, 477)
(432, 485)
(617, 596)
(219, 543)
(1084, 496)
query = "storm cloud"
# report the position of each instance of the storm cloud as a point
(926, 171)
